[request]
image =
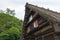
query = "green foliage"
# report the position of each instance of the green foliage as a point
(13, 34)
(10, 27)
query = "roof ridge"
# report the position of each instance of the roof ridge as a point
(43, 8)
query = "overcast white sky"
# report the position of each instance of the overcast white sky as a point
(18, 5)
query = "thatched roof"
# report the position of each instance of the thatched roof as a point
(46, 13)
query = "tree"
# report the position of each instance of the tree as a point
(1, 11)
(10, 12)
(10, 26)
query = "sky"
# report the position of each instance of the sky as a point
(19, 5)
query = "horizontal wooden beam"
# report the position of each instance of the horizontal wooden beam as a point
(37, 29)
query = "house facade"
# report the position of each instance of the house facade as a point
(40, 24)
